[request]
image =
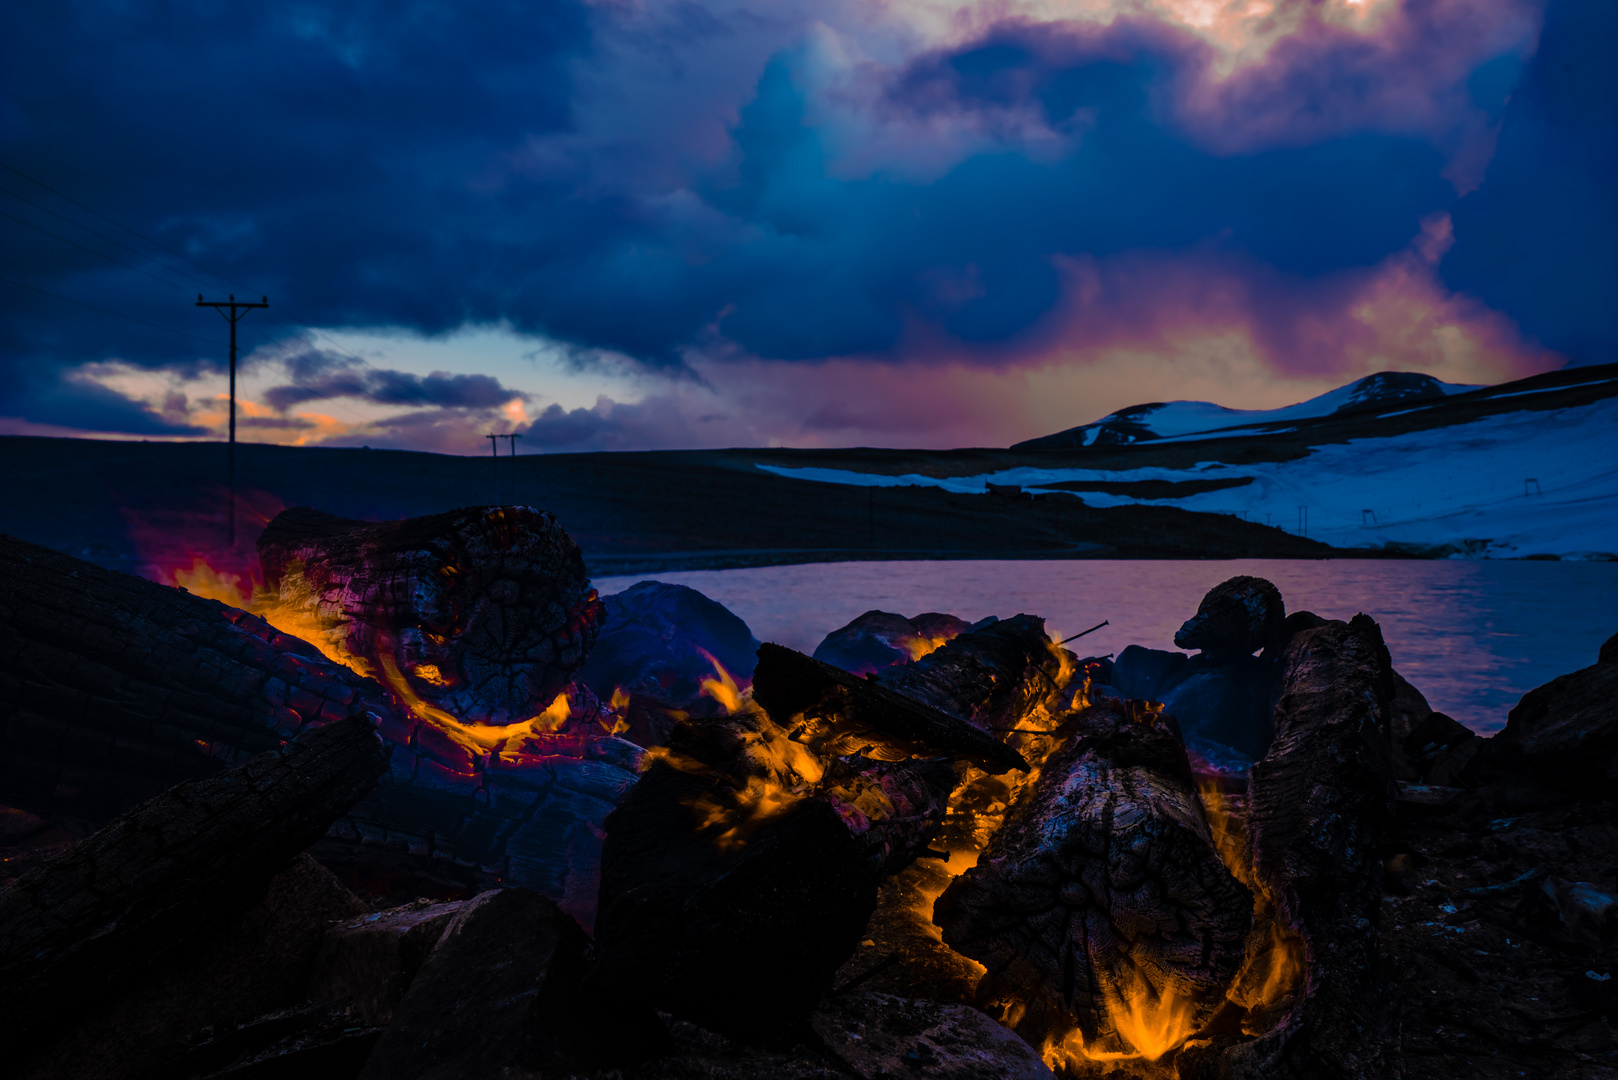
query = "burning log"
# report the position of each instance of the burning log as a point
(485, 612)
(172, 868)
(990, 677)
(789, 685)
(750, 851)
(1107, 921)
(1320, 802)
(114, 689)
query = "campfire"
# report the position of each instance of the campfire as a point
(958, 815)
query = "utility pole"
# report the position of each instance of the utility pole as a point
(494, 446)
(511, 443)
(237, 309)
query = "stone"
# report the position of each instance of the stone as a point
(879, 1035)
(657, 642)
(500, 995)
(1236, 618)
(372, 960)
(1560, 742)
(1229, 703)
(881, 639)
(253, 966)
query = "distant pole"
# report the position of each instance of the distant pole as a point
(511, 443)
(237, 309)
(494, 445)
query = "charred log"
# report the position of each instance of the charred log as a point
(173, 867)
(750, 851)
(485, 612)
(989, 677)
(1320, 802)
(1103, 898)
(791, 685)
(114, 688)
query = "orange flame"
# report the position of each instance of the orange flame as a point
(203, 580)
(919, 646)
(722, 688)
(477, 739)
(1151, 1022)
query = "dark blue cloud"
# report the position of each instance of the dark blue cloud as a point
(75, 403)
(1539, 238)
(328, 155)
(385, 387)
(368, 164)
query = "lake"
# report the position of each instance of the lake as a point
(1473, 636)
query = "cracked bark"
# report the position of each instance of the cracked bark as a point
(487, 611)
(1321, 800)
(749, 853)
(1103, 878)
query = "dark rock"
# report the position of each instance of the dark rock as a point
(1451, 763)
(880, 639)
(1408, 711)
(1229, 703)
(500, 995)
(1236, 618)
(257, 964)
(698, 1054)
(700, 929)
(372, 960)
(1587, 913)
(879, 1036)
(654, 640)
(325, 1041)
(1560, 742)
(1147, 674)
(1218, 704)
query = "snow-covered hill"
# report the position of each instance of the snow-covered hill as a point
(1513, 478)
(1159, 419)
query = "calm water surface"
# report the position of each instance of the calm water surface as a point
(1472, 636)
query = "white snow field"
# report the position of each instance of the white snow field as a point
(1194, 419)
(1506, 486)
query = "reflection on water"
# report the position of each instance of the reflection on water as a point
(1472, 636)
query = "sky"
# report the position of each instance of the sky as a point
(631, 224)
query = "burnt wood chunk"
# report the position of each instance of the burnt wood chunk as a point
(485, 612)
(1320, 801)
(750, 851)
(114, 688)
(174, 867)
(990, 677)
(789, 684)
(1103, 896)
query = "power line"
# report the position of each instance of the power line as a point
(114, 221)
(291, 330)
(104, 311)
(102, 236)
(92, 251)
